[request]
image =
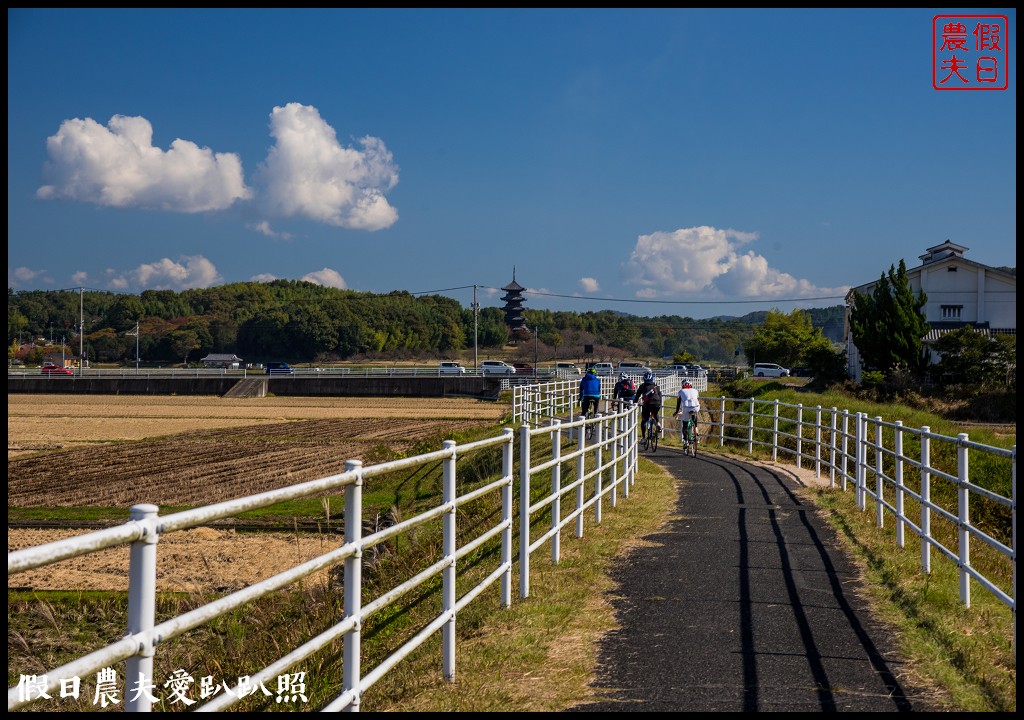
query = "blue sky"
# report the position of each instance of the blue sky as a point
(689, 162)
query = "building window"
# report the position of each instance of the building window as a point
(951, 312)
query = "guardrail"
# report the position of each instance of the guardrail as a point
(590, 472)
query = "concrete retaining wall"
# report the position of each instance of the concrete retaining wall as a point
(278, 385)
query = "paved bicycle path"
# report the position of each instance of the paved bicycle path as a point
(744, 602)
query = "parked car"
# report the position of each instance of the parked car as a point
(279, 368)
(450, 368)
(770, 370)
(603, 368)
(51, 369)
(567, 370)
(496, 367)
(523, 368)
(698, 371)
(677, 369)
(800, 371)
(633, 368)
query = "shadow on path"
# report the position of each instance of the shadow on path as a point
(744, 602)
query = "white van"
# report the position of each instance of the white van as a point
(770, 370)
(496, 367)
(603, 368)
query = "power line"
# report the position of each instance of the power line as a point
(636, 300)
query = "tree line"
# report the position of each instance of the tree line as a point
(302, 322)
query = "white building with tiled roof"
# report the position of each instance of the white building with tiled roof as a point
(960, 292)
(221, 360)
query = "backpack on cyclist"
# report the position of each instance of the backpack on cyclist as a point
(652, 394)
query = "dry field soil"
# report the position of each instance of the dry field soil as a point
(118, 451)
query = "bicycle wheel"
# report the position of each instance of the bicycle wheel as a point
(693, 443)
(654, 438)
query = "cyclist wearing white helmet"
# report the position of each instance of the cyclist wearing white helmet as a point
(687, 403)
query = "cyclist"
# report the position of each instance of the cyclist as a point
(687, 403)
(590, 391)
(624, 388)
(649, 394)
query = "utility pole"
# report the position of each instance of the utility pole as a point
(476, 334)
(81, 328)
(536, 351)
(136, 334)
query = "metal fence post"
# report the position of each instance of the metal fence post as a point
(817, 442)
(926, 500)
(750, 429)
(879, 474)
(352, 671)
(524, 511)
(142, 606)
(860, 453)
(556, 491)
(897, 449)
(448, 535)
(833, 448)
(799, 435)
(506, 517)
(964, 516)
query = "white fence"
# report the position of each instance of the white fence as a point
(587, 474)
(543, 402)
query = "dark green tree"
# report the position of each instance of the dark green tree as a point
(968, 356)
(785, 339)
(183, 342)
(888, 326)
(124, 313)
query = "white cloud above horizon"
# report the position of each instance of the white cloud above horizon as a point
(590, 285)
(709, 262)
(118, 166)
(186, 273)
(326, 277)
(307, 173)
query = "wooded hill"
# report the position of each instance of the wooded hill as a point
(301, 322)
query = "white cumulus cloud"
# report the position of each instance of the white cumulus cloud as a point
(589, 284)
(327, 278)
(709, 262)
(118, 166)
(165, 274)
(263, 278)
(309, 174)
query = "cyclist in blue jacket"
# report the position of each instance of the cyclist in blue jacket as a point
(590, 391)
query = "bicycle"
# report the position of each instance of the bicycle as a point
(689, 436)
(589, 427)
(591, 413)
(649, 437)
